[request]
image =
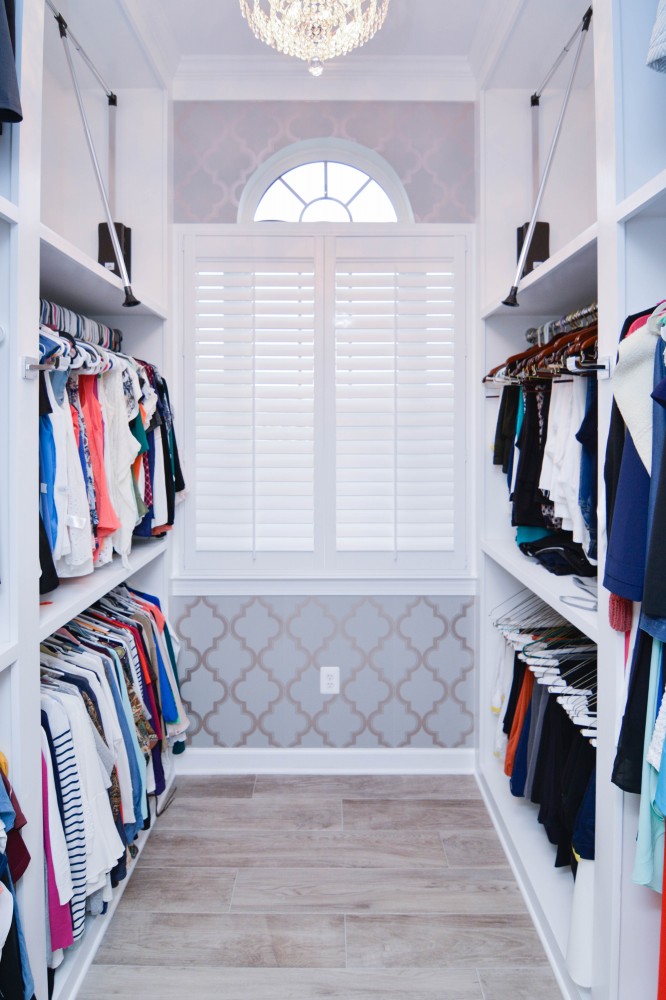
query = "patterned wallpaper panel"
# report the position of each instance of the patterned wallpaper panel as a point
(249, 669)
(220, 144)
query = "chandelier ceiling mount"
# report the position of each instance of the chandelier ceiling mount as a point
(314, 30)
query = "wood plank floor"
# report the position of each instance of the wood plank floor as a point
(300, 888)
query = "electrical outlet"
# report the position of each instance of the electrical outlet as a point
(329, 680)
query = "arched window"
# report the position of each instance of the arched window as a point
(325, 180)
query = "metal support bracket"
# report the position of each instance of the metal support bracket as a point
(602, 367)
(31, 367)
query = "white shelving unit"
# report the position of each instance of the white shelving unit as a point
(615, 258)
(547, 890)
(529, 573)
(68, 273)
(648, 201)
(8, 210)
(73, 596)
(49, 212)
(8, 655)
(561, 283)
(72, 972)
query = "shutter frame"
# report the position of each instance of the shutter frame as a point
(417, 491)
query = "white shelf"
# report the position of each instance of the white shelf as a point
(546, 585)
(75, 595)
(8, 654)
(70, 975)
(649, 200)
(8, 210)
(548, 891)
(566, 281)
(72, 279)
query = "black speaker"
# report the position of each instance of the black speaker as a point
(539, 248)
(106, 256)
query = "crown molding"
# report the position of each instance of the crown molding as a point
(363, 78)
(157, 43)
(492, 33)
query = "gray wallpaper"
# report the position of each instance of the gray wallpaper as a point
(218, 145)
(249, 670)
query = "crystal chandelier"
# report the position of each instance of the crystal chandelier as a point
(314, 30)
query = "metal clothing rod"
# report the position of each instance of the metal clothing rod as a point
(512, 297)
(130, 299)
(79, 48)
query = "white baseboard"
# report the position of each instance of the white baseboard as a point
(352, 760)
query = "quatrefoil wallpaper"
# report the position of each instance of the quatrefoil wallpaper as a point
(249, 670)
(218, 145)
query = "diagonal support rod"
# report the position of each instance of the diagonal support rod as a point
(130, 298)
(512, 297)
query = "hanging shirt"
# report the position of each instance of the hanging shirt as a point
(10, 101)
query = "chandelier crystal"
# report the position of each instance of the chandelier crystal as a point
(314, 30)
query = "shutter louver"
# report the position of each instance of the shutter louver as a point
(394, 403)
(254, 411)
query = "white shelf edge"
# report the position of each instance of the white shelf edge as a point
(79, 259)
(545, 271)
(532, 859)
(642, 199)
(8, 654)
(76, 594)
(8, 210)
(545, 585)
(71, 973)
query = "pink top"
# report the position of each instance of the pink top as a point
(92, 413)
(60, 915)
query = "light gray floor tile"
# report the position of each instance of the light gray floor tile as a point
(519, 984)
(411, 900)
(269, 940)
(216, 786)
(394, 786)
(440, 941)
(484, 891)
(179, 890)
(282, 984)
(473, 849)
(297, 848)
(414, 814)
(251, 814)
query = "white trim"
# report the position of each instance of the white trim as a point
(231, 578)
(521, 854)
(159, 47)
(312, 150)
(351, 78)
(275, 760)
(492, 33)
(379, 586)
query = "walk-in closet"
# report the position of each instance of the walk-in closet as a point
(332, 410)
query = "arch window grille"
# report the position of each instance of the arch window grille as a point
(325, 191)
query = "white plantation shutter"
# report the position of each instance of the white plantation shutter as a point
(327, 424)
(395, 407)
(254, 406)
(395, 404)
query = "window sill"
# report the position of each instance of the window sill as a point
(421, 585)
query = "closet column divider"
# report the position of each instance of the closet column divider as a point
(23, 751)
(623, 919)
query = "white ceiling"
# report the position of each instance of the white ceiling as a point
(498, 42)
(216, 27)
